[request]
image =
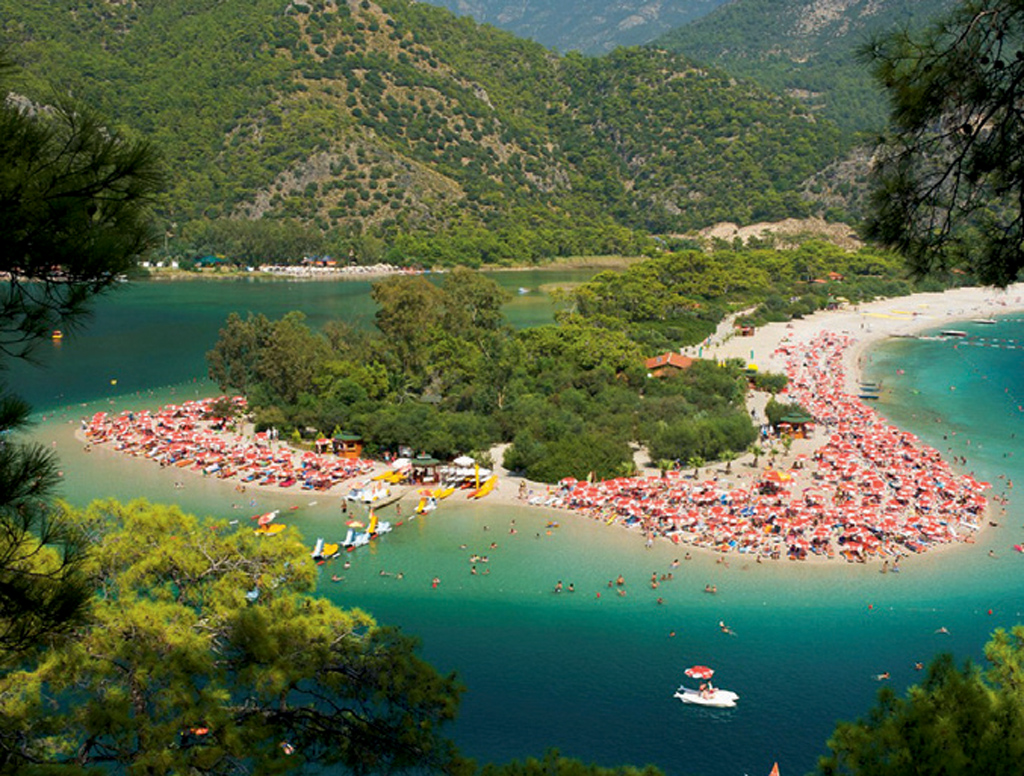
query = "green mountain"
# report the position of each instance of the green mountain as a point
(588, 26)
(805, 49)
(401, 125)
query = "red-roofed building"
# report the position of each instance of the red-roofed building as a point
(667, 364)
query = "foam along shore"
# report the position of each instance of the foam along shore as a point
(861, 489)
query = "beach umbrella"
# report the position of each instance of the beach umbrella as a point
(699, 672)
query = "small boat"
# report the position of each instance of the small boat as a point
(427, 504)
(353, 539)
(722, 699)
(986, 321)
(270, 529)
(373, 493)
(324, 550)
(488, 485)
(266, 517)
(952, 333)
(442, 493)
(707, 695)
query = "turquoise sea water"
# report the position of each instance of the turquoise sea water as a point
(591, 674)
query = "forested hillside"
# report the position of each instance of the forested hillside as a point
(804, 48)
(588, 26)
(361, 128)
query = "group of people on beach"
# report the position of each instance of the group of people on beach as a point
(874, 491)
(189, 435)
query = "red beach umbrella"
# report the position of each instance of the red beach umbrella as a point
(699, 672)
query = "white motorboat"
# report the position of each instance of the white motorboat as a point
(723, 699)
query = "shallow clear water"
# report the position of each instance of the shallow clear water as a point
(591, 672)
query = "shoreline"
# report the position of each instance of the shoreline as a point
(863, 326)
(377, 271)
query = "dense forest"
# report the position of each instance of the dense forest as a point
(591, 26)
(804, 50)
(445, 374)
(396, 130)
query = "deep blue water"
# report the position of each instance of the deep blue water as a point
(594, 675)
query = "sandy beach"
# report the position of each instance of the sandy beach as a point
(851, 329)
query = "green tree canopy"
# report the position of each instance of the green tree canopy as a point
(74, 213)
(957, 721)
(949, 176)
(74, 199)
(205, 653)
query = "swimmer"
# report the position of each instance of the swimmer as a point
(335, 578)
(725, 628)
(943, 630)
(918, 666)
(882, 676)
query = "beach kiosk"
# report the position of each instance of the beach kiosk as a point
(424, 468)
(797, 425)
(348, 445)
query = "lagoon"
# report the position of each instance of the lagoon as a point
(592, 674)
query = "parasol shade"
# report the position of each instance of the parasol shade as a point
(699, 672)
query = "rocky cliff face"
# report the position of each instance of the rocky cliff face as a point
(590, 26)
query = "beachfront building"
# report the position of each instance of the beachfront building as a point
(667, 364)
(348, 445)
(797, 425)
